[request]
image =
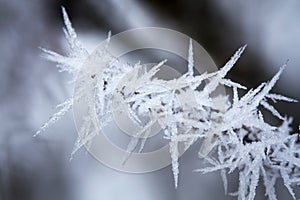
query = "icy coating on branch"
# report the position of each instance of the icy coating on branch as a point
(237, 133)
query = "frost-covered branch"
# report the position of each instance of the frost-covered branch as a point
(235, 129)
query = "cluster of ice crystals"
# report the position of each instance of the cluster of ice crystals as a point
(235, 129)
(253, 147)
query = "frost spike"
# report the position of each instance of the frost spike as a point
(190, 59)
(65, 107)
(278, 97)
(268, 86)
(108, 39)
(224, 70)
(69, 30)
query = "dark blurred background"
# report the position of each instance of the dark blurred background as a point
(30, 87)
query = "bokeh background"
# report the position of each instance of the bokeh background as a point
(30, 87)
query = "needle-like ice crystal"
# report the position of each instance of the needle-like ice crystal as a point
(237, 132)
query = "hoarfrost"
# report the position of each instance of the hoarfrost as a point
(243, 141)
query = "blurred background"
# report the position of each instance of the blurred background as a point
(30, 87)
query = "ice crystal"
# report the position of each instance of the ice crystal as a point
(70, 63)
(234, 128)
(248, 144)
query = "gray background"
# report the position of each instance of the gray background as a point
(38, 168)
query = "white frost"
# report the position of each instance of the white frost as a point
(238, 132)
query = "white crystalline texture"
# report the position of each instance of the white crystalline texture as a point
(243, 141)
(255, 148)
(64, 108)
(71, 64)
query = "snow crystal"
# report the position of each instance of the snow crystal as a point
(237, 131)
